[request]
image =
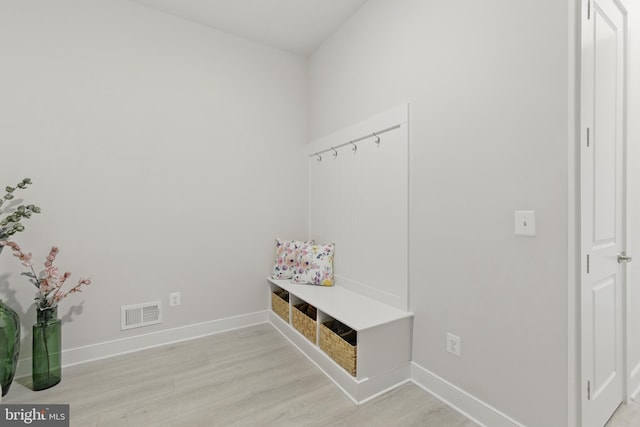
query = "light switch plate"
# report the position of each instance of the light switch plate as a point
(525, 223)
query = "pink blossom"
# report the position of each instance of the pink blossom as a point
(44, 285)
(64, 277)
(49, 282)
(12, 245)
(25, 258)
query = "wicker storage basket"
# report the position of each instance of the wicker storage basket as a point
(343, 353)
(303, 323)
(280, 306)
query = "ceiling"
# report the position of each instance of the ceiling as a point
(297, 26)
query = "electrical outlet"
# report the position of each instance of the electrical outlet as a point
(174, 299)
(454, 346)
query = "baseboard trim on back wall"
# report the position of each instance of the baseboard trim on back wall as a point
(463, 402)
(104, 350)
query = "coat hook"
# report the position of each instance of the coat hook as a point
(335, 152)
(355, 147)
(377, 139)
(319, 157)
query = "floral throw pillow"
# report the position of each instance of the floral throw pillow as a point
(314, 265)
(286, 254)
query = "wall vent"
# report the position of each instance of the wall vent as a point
(138, 315)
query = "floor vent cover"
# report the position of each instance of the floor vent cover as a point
(137, 315)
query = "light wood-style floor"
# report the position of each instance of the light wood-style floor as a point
(248, 377)
(627, 415)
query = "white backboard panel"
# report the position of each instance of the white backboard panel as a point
(359, 200)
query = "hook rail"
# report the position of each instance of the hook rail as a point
(375, 135)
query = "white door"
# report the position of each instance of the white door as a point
(602, 209)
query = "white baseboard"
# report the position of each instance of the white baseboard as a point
(460, 400)
(89, 353)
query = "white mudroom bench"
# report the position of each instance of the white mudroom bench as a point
(381, 348)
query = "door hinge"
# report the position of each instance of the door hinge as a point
(588, 264)
(588, 9)
(588, 137)
(588, 390)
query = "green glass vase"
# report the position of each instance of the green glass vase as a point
(47, 343)
(9, 345)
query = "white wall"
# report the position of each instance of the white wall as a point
(164, 155)
(488, 88)
(633, 178)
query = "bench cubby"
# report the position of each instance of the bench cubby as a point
(280, 303)
(304, 319)
(340, 343)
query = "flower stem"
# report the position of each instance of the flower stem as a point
(46, 350)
